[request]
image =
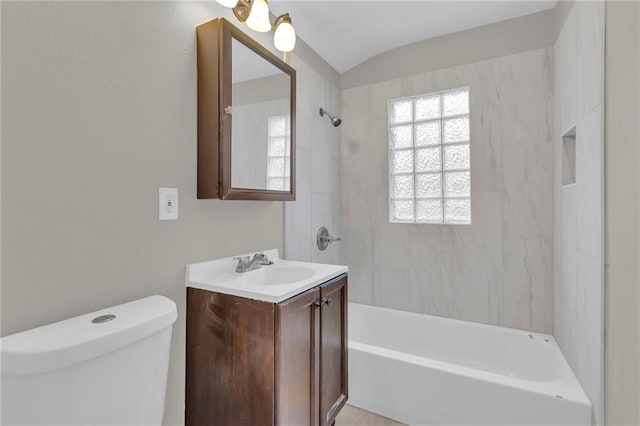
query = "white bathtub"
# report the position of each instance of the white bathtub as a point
(425, 370)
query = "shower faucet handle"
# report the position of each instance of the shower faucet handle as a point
(323, 238)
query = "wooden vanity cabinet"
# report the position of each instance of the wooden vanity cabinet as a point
(333, 350)
(256, 363)
(298, 360)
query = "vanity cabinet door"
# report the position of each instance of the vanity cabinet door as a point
(333, 349)
(230, 360)
(297, 359)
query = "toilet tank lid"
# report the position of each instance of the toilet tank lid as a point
(69, 342)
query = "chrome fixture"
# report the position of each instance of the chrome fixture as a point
(336, 121)
(246, 263)
(322, 303)
(255, 13)
(103, 318)
(323, 238)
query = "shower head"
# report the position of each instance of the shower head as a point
(336, 121)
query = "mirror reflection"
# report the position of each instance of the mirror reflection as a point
(261, 128)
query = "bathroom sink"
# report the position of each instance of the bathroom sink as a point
(275, 275)
(271, 283)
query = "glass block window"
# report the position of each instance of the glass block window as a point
(429, 158)
(278, 153)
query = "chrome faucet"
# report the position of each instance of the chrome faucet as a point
(246, 263)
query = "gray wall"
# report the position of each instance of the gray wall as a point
(99, 110)
(578, 317)
(622, 345)
(477, 44)
(498, 270)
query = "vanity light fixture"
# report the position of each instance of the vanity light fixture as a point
(285, 36)
(255, 13)
(228, 3)
(258, 19)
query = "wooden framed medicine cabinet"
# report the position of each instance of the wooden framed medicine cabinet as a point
(246, 117)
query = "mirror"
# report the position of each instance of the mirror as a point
(246, 117)
(261, 129)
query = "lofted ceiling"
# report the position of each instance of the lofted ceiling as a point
(347, 33)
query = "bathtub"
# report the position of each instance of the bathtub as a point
(425, 370)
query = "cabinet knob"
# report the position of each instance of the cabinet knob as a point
(323, 302)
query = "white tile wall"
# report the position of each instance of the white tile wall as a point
(578, 212)
(498, 270)
(317, 170)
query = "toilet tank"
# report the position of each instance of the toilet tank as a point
(104, 368)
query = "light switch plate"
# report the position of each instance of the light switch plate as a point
(168, 203)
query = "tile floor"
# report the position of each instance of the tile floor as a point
(352, 416)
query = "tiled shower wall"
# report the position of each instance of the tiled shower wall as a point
(497, 270)
(317, 170)
(578, 208)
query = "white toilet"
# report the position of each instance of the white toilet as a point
(104, 368)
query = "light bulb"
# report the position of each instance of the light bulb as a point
(258, 19)
(285, 37)
(228, 3)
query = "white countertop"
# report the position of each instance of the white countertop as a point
(220, 276)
